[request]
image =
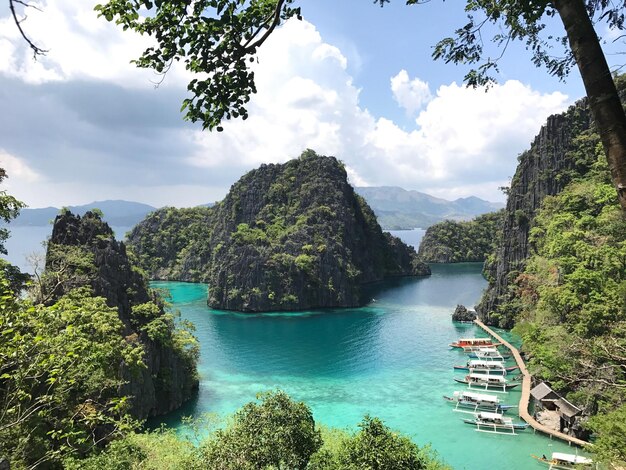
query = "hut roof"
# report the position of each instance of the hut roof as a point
(566, 408)
(541, 391)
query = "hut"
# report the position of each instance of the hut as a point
(547, 399)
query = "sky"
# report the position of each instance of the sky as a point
(351, 80)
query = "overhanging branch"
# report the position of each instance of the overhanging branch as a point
(18, 22)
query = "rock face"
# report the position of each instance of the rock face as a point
(461, 313)
(455, 242)
(82, 251)
(543, 170)
(296, 236)
(286, 237)
(173, 244)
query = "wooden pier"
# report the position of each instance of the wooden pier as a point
(525, 398)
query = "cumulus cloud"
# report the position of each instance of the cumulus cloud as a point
(100, 127)
(411, 95)
(17, 168)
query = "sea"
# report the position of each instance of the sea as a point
(390, 359)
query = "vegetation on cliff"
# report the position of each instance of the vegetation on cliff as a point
(286, 237)
(89, 354)
(559, 273)
(173, 243)
(454, 242)
(570, 300)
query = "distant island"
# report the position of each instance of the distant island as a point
(399, 209)
(395, 209)
(286, 237)
(116, 212)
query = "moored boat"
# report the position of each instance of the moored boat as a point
(488, 354)
(471, 402)
(486, 382)
(468, 342)
(487, 367)
(563, 461)
(495, 422)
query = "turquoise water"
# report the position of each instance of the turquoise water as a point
(390, 359)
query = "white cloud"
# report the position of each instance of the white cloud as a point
(80, 45)
(411, 95)
(463, 139)
(17, 169)
(464, 142)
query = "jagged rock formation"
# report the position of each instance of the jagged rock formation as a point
(286, 237)
(82, 251)
(461, 313)
(173, 243)
(455, 242)
(296, 236)
(543, 170)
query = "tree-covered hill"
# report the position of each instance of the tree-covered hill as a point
(453, 242)
(286, 237)
(558, 273)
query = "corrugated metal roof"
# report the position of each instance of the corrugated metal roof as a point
(541, 391)
(566, 408)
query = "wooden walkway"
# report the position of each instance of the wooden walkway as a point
(525, 398)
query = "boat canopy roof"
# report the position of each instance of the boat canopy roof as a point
(489, 415)
(490, 350)
(481, 397)
(490, 364)
(491, 378)
(475, 340)
(571, 458)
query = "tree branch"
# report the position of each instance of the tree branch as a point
(36, 50)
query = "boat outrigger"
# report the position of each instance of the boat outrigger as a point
(486, 367)
(565, 461)
(469, 342)
(494, 423)
(471, 402)
(486, 382)
(488, 354)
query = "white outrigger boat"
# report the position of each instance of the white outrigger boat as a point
(563, 461)
(486, 367)
(495, 423)
(471, 402)
(488, 354)
(486, 382)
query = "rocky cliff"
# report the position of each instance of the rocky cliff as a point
(455, 242)
(543, 170)
(173, 243)
(296, 236)
(286, 237)
(82, 251)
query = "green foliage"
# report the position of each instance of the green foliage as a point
(60, 375)
(216, 40)
(249, 236)
(610, 446)
(173, 243)
(376, 447)
(275, 433)
(156, 450)
(9, 210)
(454, 242)
(570, 298)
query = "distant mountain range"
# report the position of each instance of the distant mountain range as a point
(396, 209)
(119, 213)
(399, 209)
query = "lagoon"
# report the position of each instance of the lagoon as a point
(388, 359)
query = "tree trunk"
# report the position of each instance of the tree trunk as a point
(604, 101)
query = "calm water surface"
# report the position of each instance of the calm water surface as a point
(390, 359)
